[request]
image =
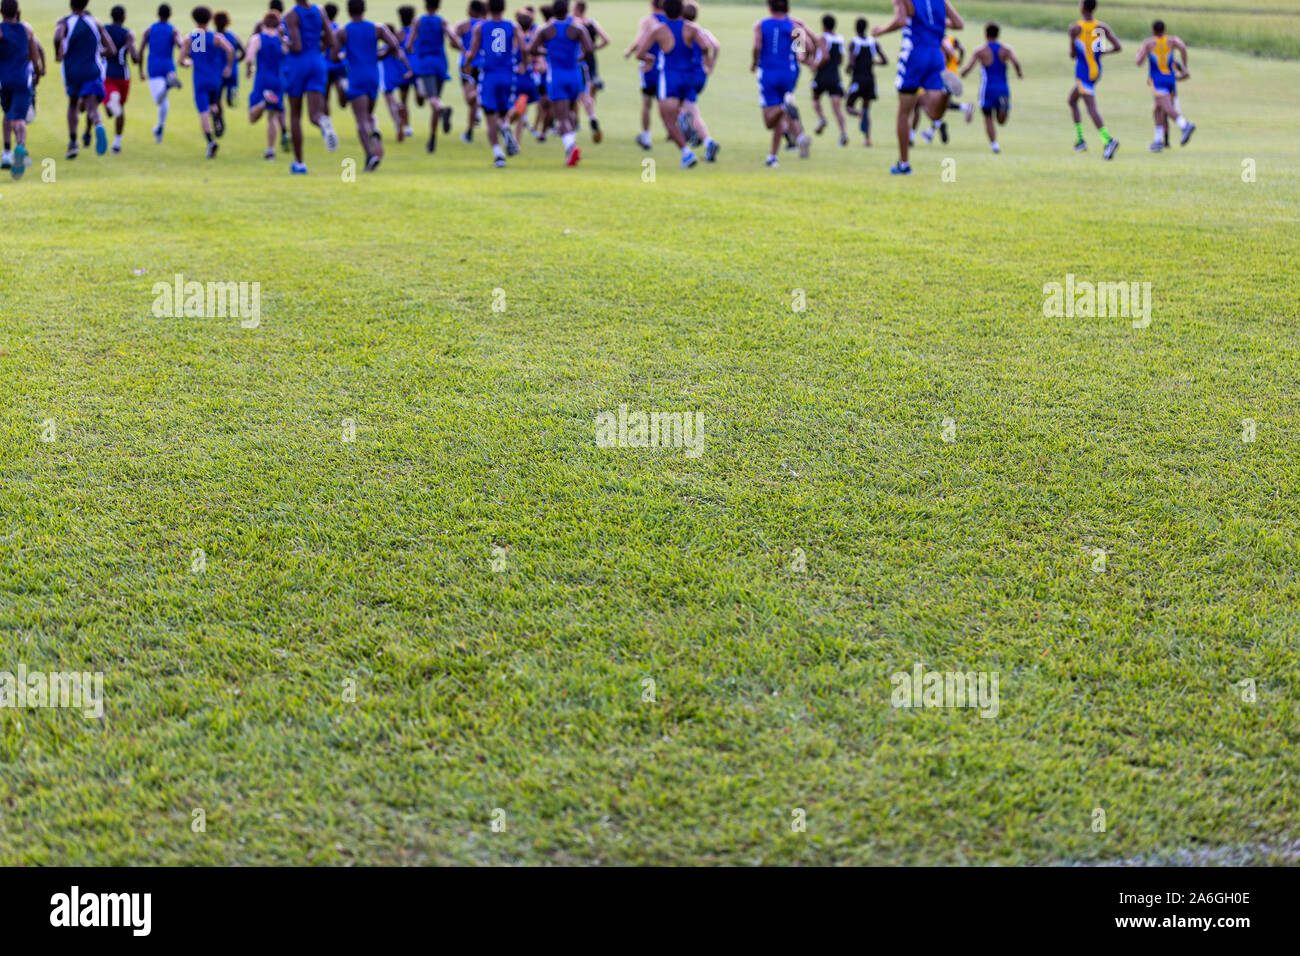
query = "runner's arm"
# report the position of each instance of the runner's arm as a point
(1142, 51)
(254, 44)
(899, 21)
(1011, 58)
(1110, 35)
(974, 59)
(224, 45)
(452, 36)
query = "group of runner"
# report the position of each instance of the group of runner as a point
(541, 59)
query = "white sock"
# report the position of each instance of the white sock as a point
(686, 150)
(1160, 134)
(162, 112)
(1181, 121)
(771, 155)
(117, 140)
(994, 145)
(569, 140)
(496, 151)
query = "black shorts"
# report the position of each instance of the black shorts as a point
(861, 91)
(829, 84)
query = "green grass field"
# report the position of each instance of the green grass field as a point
(369, 564)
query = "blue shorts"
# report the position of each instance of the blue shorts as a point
(650, 82)
(16, 101)
(1088, 87)
(392, 75)
(564, 85)
(496, 91)
(429, 66)
(773, 85)
(231, 81)
(995, 97)
(207, 94)
(158, 70)
(675, 86)
(304, 74)
(363, 84)
(80, 88)
(1163, 84)
(260, 87)
(698, 79)
(920, 69)
(526, 85)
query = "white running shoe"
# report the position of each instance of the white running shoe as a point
(327, 131)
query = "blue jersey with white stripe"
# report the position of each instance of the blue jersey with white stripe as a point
(776, 54)
(81, 59)
(925, 27)
(678, 60)
(654, 47)
(995, 74)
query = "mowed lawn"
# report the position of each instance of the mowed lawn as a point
(1270, 27)
(348, 680)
